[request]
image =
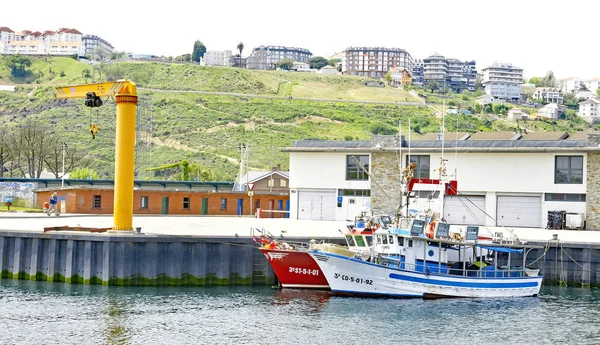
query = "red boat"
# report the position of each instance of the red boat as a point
(295, 269)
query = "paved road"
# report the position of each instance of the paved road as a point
(230, 226)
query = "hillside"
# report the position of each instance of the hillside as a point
(198, 113)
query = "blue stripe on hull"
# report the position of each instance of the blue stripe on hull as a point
(481, 285)
(374, 294)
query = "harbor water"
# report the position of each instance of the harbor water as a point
(33, 312)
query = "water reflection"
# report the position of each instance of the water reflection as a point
(115, 312)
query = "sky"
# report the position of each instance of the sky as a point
(537, 36)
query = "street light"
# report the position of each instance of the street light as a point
(63, 147)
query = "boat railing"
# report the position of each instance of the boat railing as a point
(442, 269)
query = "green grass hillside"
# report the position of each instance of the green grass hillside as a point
(198, 114)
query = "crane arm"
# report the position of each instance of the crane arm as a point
(120, 87)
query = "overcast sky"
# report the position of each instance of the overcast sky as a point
(535, 35)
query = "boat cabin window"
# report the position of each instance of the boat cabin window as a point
(360, 241)
(400, 241)
(369, 240)
(350, 241)
(382, 239)
(385, 221)
(410, 243)
(390, 239)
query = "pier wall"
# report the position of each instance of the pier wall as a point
(132, 259)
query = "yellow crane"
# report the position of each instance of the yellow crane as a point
(125, 93)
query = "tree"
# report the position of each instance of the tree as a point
(549, 80)
(29, 145)
(477, 108)
(598, 92)
(4, 150)
(17, 65)
(184, 58)
(240, 47)
(199, 50)
(431, 85)
(388, 77)
(332, 62)
(84, 174)
(317, 62)
(285, 64)
(538, 81)
(74, 156)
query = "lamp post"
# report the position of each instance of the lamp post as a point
(63, 147)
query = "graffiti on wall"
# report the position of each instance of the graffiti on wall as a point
(22, 191)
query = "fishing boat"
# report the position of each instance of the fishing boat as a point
(295, 268)
(408, 263)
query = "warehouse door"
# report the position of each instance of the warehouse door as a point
(465, 209)
(316, 204)
(519, 210)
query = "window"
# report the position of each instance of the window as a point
(354, 192)
(223, 203)
(565, 197)
(282, 183)
(144, 202)
(186, 203)
(271, 183)
(422, 170)
(568, 169)
(357, 167)
(96, 201)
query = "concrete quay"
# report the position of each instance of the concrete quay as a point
(183, 250)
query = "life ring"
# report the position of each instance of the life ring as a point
(431, 229)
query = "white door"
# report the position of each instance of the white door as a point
(464, 209)
(317, 204)
(518, 210)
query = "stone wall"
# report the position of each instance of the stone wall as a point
(593, 191)
(385, 182)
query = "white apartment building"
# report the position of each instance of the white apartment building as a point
(570, 85)
(300, 67)
(375, 62)
(589, 110)
(548, 95)
(435, 68)
(217, 58)
(6, 35)
(592, 84)
(503, 81)
(513, 181)
(62, 42)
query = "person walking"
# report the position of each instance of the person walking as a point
(53, 202)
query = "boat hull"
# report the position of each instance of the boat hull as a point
(350, 276)
(296, 269)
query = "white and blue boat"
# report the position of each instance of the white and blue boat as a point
(407, 263)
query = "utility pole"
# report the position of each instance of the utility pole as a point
(63, 147)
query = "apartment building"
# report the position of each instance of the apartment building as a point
(417, 77)
(589, 110)
(375, 62)
(6, 35)
(451, 73)
(61, 42)
(570, 85)
(265, 57)
(503, 81)
(548, 95)
(592, 84)
(217, 58)
(96, 46)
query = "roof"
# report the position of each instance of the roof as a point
(328, 67)
(544, 136)
(502, 65)
(253, 176)
(481, 141)
(5, 29)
